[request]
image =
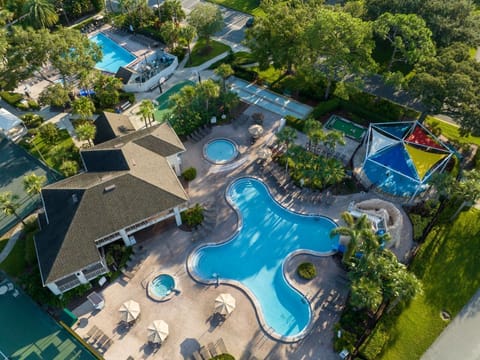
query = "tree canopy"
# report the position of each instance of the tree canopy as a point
(207, 19)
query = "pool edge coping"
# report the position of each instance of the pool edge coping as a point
(204, 152)
(243, 288)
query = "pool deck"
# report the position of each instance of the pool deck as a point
(189, 314)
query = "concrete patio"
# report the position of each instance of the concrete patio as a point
(189, 313)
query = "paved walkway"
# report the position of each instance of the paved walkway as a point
(460, 339)
(17, 232)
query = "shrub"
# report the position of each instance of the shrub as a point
(32, 104)
(179, 52)
(373, 347)
(295, 123)
(49, 133)
(193, 216)
(11, 98)
(347, 340)
(189, 174)
(22, 106)
(223, 357)
(32, 121)
(307, 271)
(326, 107)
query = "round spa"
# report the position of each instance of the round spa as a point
(220, 151)
(161, 287)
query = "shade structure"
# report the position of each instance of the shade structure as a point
(157, 331)
(402, 156)
(225, 304)
(264, 153)
(255, 130)
(129, 311)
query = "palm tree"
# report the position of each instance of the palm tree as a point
(32, 183)
(9, 205)
(210, 90)
(187, 34)
(69, 168)
(286, 137)
(224, 71)
(86, 132)
(355, 231)
(332, 139)
(40, 13)
(84, 107)
(147, 111)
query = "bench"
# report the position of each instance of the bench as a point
(125, 106)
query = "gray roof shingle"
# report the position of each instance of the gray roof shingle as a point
(88, 206)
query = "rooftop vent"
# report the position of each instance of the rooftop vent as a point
(118, 145)
(74, 198)
(109, 188)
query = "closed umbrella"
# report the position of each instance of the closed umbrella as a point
(157, 331)
(264, 153)
(255, 130)
(225, 304)
(129, 311)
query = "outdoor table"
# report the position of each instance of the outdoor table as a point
(3, 289)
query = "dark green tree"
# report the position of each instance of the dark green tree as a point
(207, 19)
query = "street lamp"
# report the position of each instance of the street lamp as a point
(197, 73)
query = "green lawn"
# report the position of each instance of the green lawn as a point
(202, 53)
(38, 146)
(450, 131)
(21, 256)
(247, 6)
(447, 264)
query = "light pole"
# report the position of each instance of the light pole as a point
(197, 73)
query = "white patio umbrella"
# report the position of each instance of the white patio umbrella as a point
(129, 311)
(157, 331)
(264, 153)
(255, 130)
(225, 304)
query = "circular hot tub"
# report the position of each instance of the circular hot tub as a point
(161, 287)
(220, 151)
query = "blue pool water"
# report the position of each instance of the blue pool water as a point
(255, 256)
(114, 55)
(162, 285)
(220, 151)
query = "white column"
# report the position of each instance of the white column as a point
(54, 288)
(125, 238)
(178, 218)
(81, 277)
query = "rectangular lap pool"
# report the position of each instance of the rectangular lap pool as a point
(350, 129)
(114, 55)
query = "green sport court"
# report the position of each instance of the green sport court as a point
(164, 103)
(28, 333)
(350, 129)
(15, 163)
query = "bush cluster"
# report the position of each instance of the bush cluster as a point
(193, 216)
(32, 121)
(189, 174)
(17, 100)
(307, 271)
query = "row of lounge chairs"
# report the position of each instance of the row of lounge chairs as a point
(210, 350)
(199, 134)
(97, 338)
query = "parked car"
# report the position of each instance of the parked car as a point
(250, 22)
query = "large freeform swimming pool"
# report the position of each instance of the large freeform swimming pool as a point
(114, 55)
(254, 257)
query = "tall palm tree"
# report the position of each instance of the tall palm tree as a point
(32, 183)
(287, 137)
(86, 132)
(224, 71)
(84, 107)
(355, 231)
(9, 205)
(210, 90)
(40, 13)
(187, 34)
(147, 111)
